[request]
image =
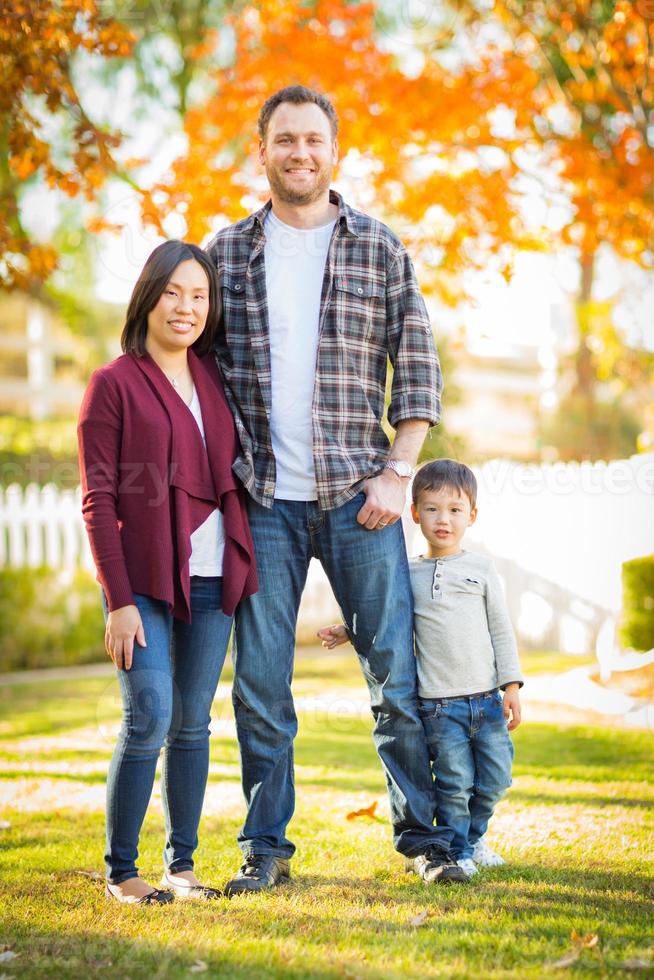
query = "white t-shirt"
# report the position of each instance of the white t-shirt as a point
(295, 267)
(208, 540)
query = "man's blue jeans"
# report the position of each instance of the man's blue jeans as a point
(369, 574)
(472, 753)
(167, 696)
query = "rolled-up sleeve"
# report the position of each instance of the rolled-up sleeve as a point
(417, 378)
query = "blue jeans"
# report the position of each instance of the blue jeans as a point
(167, 696)
(472, 753)
(368, 571)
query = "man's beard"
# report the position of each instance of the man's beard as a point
(290, 196)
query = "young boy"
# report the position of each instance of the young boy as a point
(466, 656)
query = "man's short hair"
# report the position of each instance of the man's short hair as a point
(441, 473)
(296, 95)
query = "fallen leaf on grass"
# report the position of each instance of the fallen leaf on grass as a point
(419, 919)
(93, 875)
(368, 811)
(637, 964)
(198, 967)
(588, 941)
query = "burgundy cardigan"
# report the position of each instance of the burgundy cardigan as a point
(148, 482)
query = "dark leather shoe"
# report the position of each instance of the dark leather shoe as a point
(259, 873)
(436, 864)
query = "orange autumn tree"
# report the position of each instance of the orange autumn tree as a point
(425, 147)
(38, 44)
(593, 119)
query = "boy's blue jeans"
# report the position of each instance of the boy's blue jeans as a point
(472, 753)
(369, 574)
(167, 696)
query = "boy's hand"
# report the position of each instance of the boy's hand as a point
(333, 636)
(512, 711)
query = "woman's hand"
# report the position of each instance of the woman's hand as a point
(333, 636)
(123, 626)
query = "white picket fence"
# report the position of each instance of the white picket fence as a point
(558, 533)
(42, 526)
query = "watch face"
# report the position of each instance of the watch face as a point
(400, 467)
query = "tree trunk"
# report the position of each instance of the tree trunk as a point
(585, 377)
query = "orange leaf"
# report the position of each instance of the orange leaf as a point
(368, 811)
(588, 941)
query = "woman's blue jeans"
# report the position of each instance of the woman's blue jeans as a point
(369, 574)
(472, 754)
(167, 696)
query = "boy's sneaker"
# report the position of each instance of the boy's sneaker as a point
(468, 866)
(483, 855)
(436, 864)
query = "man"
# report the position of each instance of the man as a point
(316, 297)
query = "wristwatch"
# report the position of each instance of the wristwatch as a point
(400, 467)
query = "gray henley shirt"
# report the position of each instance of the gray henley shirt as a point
(464, 639)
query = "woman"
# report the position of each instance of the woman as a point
(167, 526)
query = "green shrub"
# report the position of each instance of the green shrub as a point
(611, 431)
(49, 619)
(637, 628)
(38, 452)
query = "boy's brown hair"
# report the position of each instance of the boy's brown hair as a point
(439, 473)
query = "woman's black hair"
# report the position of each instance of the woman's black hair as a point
(150, 285)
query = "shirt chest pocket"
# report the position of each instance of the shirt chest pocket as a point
(467, 585)
(233, 292)
(234, 315)
(360, 309)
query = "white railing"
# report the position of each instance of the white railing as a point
(558, 533)
(42, 526)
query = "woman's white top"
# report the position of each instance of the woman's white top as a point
(207, 541)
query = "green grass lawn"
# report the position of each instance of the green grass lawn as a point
(576, 829)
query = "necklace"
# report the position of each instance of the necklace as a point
(174, 380)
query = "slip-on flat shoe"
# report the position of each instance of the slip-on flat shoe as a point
(201, 893)
(155, 897)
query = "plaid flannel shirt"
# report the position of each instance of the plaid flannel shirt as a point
(371, 309)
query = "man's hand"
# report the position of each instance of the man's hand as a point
(512, 711)
(333, 636)
(385, 500)
(124, 625)
(386, 493)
